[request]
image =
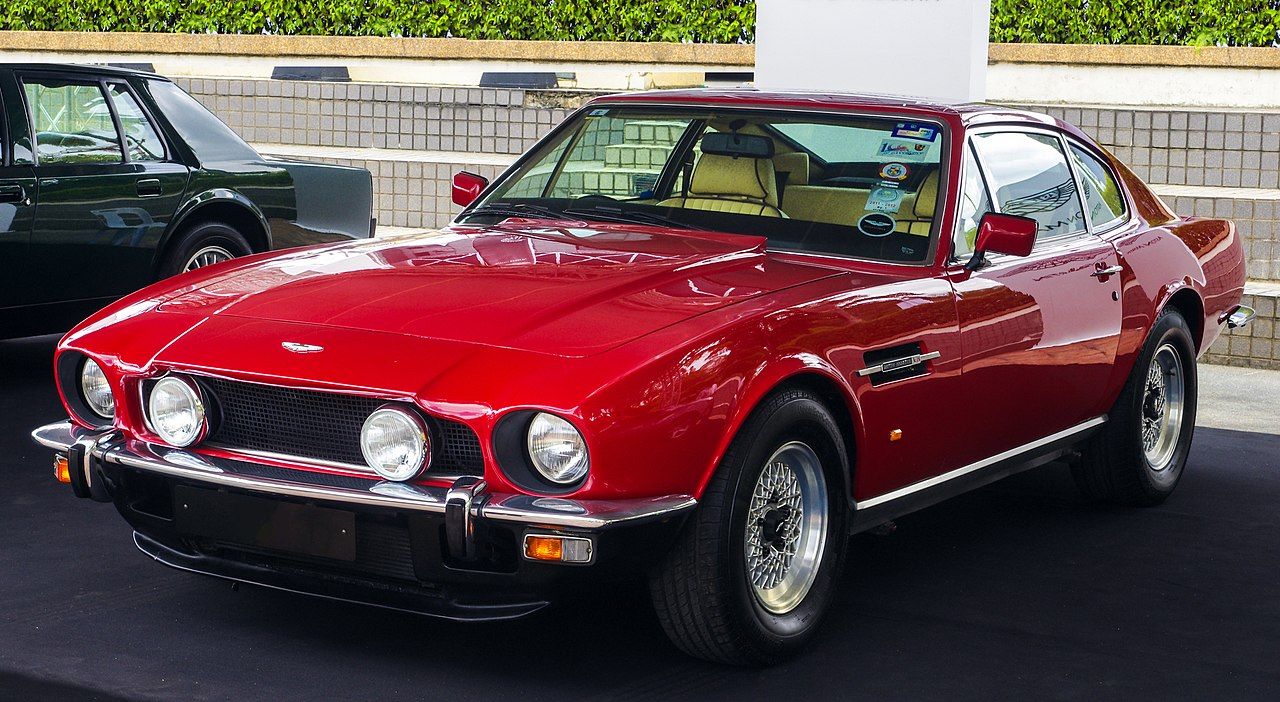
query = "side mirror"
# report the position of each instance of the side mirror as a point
(467, 187)
(1002, 233)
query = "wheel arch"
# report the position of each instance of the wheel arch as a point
(220, 205)
(820, 380)
(1188, 303)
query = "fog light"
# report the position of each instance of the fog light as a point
(175, 411)
(394, 443)
(61, 470)
(559, 549)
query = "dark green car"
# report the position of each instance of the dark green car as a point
(111, 179)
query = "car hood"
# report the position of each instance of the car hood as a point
(563, 288)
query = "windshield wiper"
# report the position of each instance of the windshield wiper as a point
(617, 214)
(515, 209)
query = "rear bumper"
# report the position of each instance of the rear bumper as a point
(452, 551)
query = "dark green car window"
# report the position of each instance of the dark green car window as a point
(72, 122)
(141, 139)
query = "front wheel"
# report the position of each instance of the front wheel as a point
(756, 567)
(1139, 456)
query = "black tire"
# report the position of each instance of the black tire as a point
(702, 590)
(200, 245)
(1122, 465)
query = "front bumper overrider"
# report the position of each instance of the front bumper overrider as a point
(449, 525)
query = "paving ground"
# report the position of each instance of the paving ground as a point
(1017, 591)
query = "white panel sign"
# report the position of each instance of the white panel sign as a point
(929, 48)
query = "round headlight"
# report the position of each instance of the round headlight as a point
(175, 411)
(394, 443)
(95, 390)
(557, 449)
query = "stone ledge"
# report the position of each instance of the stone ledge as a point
(1137, 55)
(338, 48)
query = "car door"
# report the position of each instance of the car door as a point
(106, 191)
(17, 186)
(1039, 333)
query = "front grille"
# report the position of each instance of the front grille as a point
(321, 426)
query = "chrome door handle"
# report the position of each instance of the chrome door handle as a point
(14, 193)
(149, 187)
(1109, 270)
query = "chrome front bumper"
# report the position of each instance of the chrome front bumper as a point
(467, 499)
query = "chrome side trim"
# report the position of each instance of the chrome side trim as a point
(899, 363)
(985, 463)
(503, 507)
(1239, 316)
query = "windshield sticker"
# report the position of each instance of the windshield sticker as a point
(894, 171)
(911, 130)
(903, 150)
(884, 200)
(598, 112)
(877, 224)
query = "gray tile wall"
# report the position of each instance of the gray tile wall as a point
(1182, 147)
(479, 120)
(1257, 221)
(1254, 346)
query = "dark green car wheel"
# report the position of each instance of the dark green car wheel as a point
(203, 245)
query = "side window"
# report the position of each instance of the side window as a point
(974, 202)
(1101, 193)
(1030, 176)
(140, 137)
(72, 123)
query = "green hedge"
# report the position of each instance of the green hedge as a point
(1198, 22)
(1194, 22)
(710, 21)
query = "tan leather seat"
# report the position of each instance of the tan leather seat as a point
(794, 165)
(740, 185)
(922, 211)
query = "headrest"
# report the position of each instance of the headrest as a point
(795, 164)
(726, 176)
(927, 197)
(737, 145)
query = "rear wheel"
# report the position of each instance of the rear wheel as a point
(755, 568)
(203, 245)
(1139, 456)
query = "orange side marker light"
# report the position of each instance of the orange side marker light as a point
(61, 470)
(895, 435)
(543, 548)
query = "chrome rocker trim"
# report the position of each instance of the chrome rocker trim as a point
(475, 501)
(891, 505)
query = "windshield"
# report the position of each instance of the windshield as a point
(853, 186)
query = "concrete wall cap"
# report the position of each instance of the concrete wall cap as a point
(1137, 55)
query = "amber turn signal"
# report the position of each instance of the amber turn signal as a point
(895, 435)
(61, 470)
(558, 549)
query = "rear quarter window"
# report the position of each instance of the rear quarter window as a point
(204, 133)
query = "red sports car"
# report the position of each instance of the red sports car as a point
(699, 337)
